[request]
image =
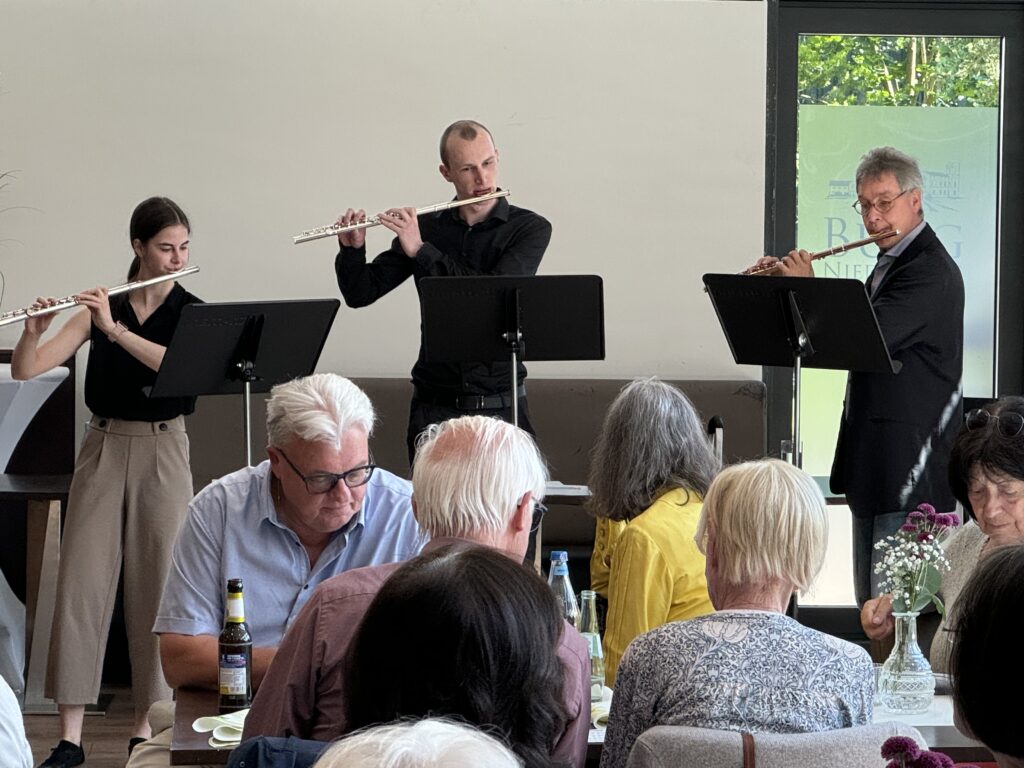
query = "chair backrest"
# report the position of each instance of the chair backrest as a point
(680, 746)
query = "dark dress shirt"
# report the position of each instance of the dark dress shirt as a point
(511, 241)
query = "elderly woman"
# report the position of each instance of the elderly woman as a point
(748, 667)
(986, 473)
(651, 467)
(988, 625)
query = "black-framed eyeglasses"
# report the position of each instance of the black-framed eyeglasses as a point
(882, 206)
(324, 482)
(539, 510)
(1009, 424)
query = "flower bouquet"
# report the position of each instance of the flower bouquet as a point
(911, 567)
(914, 561)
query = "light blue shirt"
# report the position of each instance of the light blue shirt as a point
(233, 531)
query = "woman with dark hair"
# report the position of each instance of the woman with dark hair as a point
(463, 632)
(988, 622)
(132, 482)
(651, 467)
(986, 474)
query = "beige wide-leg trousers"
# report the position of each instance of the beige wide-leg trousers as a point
(128, 497)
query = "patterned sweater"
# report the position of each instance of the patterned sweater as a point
(738, 671)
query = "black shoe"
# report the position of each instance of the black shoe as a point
(133, 742)
(64, 755)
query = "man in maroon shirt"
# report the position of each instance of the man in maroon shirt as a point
(476, 480)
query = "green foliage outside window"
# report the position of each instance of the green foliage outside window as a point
(899, 71)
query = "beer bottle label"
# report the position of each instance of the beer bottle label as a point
(235, 611)
(234, 674)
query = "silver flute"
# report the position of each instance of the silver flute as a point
(18, 315)
(337, 229)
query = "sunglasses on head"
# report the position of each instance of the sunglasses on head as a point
(1008, 424)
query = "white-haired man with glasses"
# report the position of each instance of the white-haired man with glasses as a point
(478, 481)
(897, 430)
(315, 508)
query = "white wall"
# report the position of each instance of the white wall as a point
(636, 127)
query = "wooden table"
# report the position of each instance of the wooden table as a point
(45, 495)
(935, 725)
(187, 746)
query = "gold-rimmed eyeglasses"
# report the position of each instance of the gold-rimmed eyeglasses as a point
(882, 206)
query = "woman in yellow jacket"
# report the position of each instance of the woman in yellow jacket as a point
(651, 467)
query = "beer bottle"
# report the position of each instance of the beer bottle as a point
(235, 653)
(592, 633)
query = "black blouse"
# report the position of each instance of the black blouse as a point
(114, 380)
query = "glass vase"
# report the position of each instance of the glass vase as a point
(906, 684)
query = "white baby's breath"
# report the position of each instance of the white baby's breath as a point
(913, 560)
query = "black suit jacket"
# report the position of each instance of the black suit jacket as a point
(897, 430)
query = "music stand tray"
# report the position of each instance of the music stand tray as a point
(799, 322)
(230, 348)
(466, 319)
(842, 328)
(525, 317)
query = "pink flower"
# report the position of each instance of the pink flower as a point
(900, 747)
(924, 536)
(927, 509)
(908, 528)
(915, 515)
(929, 759)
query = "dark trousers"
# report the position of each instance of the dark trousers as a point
(422, 415)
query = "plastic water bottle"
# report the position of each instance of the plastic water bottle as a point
(558, 580)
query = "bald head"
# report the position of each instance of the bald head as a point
(471, 474)
(467, 130)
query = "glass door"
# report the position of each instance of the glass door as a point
(937, 99)
(940, 81)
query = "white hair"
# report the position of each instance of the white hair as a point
(769, 522)
(318, 408)
(471, 473)
(430, 743)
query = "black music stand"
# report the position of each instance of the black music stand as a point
(493, 318)
(231, 348)
(799, 322)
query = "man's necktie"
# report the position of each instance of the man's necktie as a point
(884, 262)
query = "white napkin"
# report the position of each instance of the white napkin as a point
(227, 729)
(599, 709)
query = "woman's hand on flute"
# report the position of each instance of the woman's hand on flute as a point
(98, 304)
(36, 326)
